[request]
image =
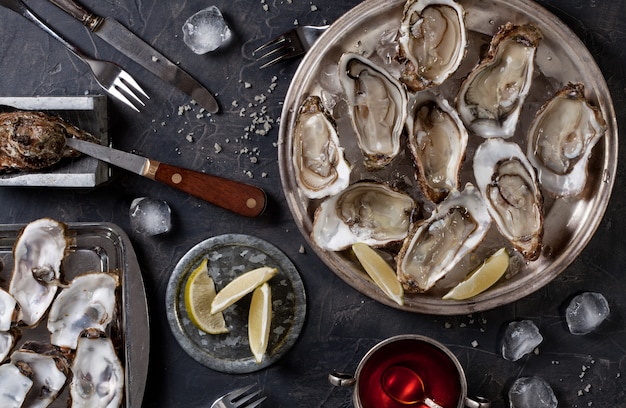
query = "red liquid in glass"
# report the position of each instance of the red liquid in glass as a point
(438, 374)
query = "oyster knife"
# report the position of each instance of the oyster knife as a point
(240, 198)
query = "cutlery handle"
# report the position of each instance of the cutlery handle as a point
(241, 198)
(89, 19)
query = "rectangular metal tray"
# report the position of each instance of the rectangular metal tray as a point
(99, 247)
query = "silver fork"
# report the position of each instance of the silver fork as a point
(115, 81)
(293, 43)
(238, 399)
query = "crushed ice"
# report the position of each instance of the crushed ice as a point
(531, 392)
(520, 338)
(150, 216)
(206, 30)
(585, 312)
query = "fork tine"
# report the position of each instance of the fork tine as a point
(120, 96)
(239, 391)
(125, 76)
(278, 40)
(244, 399)
(256, 403)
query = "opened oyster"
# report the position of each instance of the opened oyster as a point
(7, 341)
(377, 104)
(491, 97)
(437, 139)
(561, 138)
(318, 161)
(456, 227)
(432, 39)
(38, 252)
(7, 310)
(15, 382)
(509, 186)
(368, 212)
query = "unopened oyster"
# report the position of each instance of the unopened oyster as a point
(38, 251)
(319, 164)
(377, 104)
(491, 97)
(432, 39)
(368, 212)
(15, 382)
(437, 139)
(560, 140)
(456, 227)
(509, 186)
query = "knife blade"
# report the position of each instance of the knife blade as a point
(139, 51)
(240, 198)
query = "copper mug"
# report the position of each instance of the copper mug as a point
(408, 371)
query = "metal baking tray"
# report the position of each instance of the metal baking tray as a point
(99, 247)
(88, 113)
(561, 57)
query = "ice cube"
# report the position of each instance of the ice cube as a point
(531, 392)
(206, 30)
(149, 216)
(585, 312)
(520, 338)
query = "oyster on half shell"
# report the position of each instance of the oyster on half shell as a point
(509, 186)
(377, 105)
(561, 137)
(455, 228)
(432, 41)
(490, 99)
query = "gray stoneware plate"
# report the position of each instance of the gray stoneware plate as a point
(228, 257)
(561, 57)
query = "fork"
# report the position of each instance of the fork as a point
(115, 81)
(238, 399)
(293, 43)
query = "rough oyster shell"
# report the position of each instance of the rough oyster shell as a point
(560, 140)
(433, 40)
(456, 227)
(318, 160)
(509, 186)
(491, 97)
(368, 212)
(377, 104)
(437, 140)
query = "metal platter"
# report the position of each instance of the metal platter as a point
(229, 256)
(99, 247)
(569, 223)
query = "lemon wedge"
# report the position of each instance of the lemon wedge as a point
(482, 277)
(380, 271)
(260, 321)
(199, 293)
(241, 286)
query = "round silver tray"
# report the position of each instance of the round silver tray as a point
(569, 223)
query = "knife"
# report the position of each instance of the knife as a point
(139, 51)
(237, 197)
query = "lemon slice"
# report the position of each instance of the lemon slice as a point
(241, 286)
(260, 320)
(482, 277)
(380, 271)
(199, 293)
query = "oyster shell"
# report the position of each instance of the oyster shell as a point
(39, 250)
(509, 186)
(7, 310)
(88, 302)
(561, 137)
(7, 341)
(15, 382)
(318, 160)
(377, 104)
(455, 228)
(433, 40)
(98, 376)
(437, 140)
(368, 212)
(491, 97)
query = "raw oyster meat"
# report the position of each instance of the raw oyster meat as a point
(509, 186)
(456, 227)
(491, 97)
(88, 302)
(561, 137)
(15, 382)
(433, 40)
(7, 310)
(35, 140)
(437, 140)
(377, 104)
(368, 212)
(38, 251)
(318, 160)
(98, 375)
